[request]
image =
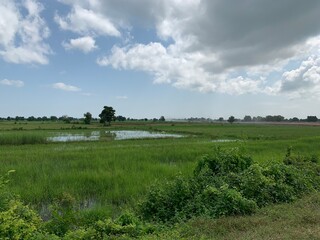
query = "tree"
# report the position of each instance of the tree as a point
(312, 119)
(162, 119)
(231, 119)
(87, 118)
(53, 118)
(247, 118)
(31, 118)
(121, 118)
(107, 115)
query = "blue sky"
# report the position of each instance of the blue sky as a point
(148, 58)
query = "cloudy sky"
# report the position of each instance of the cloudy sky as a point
(147, 58)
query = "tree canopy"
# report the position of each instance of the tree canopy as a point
(107, 115)
(87, 118)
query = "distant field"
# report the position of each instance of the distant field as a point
(110, 175)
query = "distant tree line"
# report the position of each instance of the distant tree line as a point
(278, 118)
(248, 118)
(106, 116)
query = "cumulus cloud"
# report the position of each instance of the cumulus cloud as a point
(183, 71)
(87, 22)
(303, 81)
(13, 83)
(212, 45)
(23, 32)
(222, 47)
(84, 44)
(65, 87)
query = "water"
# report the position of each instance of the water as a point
(132, 134)
(68, 137)
(110, 135)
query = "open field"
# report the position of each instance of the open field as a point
(108, 175)
(115, 172)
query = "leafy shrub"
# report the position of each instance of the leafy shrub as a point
(82, 234)
(224, 201)
(166, 201)
(126, 225)
(18, 222)
(64, 215)
(228, 182)
(5, 195)
(224, 162)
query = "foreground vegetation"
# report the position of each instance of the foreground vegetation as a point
(227, 183)
(93, 182)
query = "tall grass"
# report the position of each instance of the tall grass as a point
(22, 137)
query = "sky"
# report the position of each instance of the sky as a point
(152, 58)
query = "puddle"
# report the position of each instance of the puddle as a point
(68, 137)
(123, 135)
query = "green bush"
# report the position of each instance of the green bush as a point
(224, 162)
(64, 216)
(165, 202)
(224, 201)
(82, 234)
(19, 222)
(228, 182)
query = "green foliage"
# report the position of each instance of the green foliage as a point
(107, 115)
(5, 194)
(64, 215)
(229, 183)
(224, 162)
(18, 221)
(87, 118)
(82, 234)
(225, 201)
(231, 119)
(165, 202)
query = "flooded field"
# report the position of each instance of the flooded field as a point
(110, 135)
(131, 134)
(69, 137)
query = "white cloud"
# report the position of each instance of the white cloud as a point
(22, 33)
(182, 70)
(13, 83)
(87, 22)
(303, 81)
(85, 44)
(65, 87)
(218, 46)
(207, 45)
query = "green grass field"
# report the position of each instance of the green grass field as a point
(109, 175)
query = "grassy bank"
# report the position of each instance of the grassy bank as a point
(295, 221)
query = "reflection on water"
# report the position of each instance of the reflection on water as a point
(109, 135)
(68, 137)
(122, 135)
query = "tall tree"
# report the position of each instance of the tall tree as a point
(162, 119)
(87, 118)
(231, 119)
(107, 115)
